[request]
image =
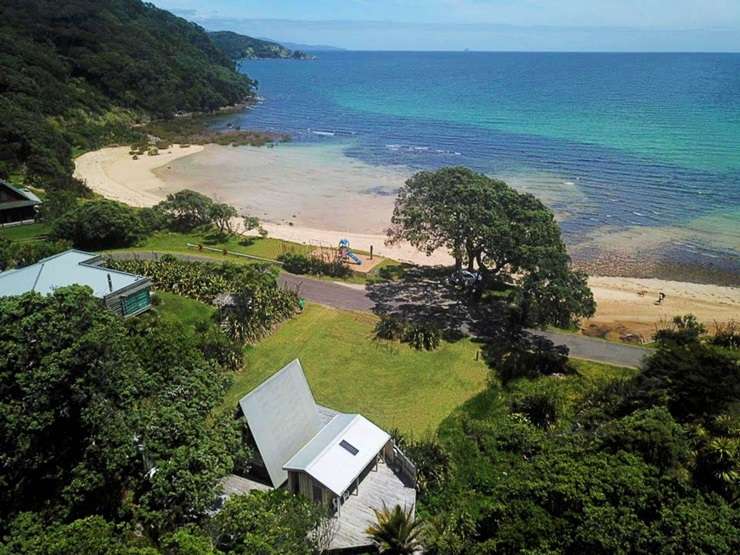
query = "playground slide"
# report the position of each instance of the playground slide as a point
(354, 258)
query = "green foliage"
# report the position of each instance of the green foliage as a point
(681, 330)
(396, 531)
(726, 335)
(430, 458)
(239, 47)
(297, 263)
(424, 336)
(99, 224)
(91, 403)
(17, 254)
(509, 236)
(29, 535)
(56, 204)
(695, 381)
(217, 346)
(273, 522)
(651, 433)
(390, 327)
(638, 466)
(541, 408)
(254, 309)
(76, 76)
(186, 210)
(221, 215)
(524, 355)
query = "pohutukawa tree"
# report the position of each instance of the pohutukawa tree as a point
(507, 235)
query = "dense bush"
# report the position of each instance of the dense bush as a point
(541, 408)
(111, 399)
(317, 265)
(17, 254)
(641, 466)
(253, 302)
(99, 224)
(681, 330)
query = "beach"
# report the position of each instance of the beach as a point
(313, 195)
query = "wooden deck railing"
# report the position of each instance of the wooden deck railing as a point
(404, 464)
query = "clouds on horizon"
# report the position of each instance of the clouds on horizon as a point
(546, 25)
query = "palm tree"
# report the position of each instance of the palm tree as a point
(396, 531)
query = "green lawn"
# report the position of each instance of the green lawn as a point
(392, 384)
(26, 232)
(168, 241)
(174, 308)
(268, 248)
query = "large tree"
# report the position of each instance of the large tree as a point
(509, 236)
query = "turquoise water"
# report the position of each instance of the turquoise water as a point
(613, 142)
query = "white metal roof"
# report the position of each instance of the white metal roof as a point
(339, 453)
(282, 417)
(67, 268)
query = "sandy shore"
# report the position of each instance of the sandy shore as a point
(320, 198)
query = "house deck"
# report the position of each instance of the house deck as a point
(356, 514)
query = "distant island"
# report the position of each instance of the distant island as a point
(240, 47)
(310, 47)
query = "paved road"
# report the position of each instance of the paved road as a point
(355, 298)
(350, 298)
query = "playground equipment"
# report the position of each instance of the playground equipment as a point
(345, 253)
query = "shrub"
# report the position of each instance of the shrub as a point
(302, 264)
(391, 328)
(422, 336)
(540, 408)
(217, 346)
(726, 335)
(17, 254)
(295, 263)
(99, 224)
(682, 330)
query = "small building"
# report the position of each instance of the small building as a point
(17, 204)
(123, 293)
(341, 461)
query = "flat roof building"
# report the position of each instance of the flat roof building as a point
(123, 293)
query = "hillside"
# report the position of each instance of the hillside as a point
(238, 47)
(76, 75)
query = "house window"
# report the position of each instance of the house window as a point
(349, 447)
(317, 494)
(135, 302)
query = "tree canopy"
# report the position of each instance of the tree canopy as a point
(103, 416)
(507, 235)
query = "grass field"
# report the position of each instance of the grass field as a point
(26, 232)
(392, 384)
(267, 248)
(174, 308)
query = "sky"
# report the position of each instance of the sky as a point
(528, 25)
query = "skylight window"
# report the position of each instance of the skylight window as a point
(349, 447)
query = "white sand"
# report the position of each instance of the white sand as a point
(326, 199)
(113, 173)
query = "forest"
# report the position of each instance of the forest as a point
(81, 74)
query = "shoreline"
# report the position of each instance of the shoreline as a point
(281, 190)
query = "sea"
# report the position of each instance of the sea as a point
(637, 154)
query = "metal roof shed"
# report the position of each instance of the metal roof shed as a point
(282, 417)
(340, 452)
